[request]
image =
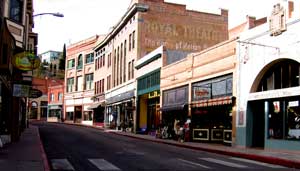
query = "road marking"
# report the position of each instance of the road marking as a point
(225, 163)
(258, 163)
(61, 164)
(196, 164)
(103, 164)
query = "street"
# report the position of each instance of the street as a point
(79, 148)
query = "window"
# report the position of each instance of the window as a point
(87, 115)
(60, 96)
(70, 116)
(124, 77)
(70, 84)
(16, 10)
(79, 62)
(129, 71)
(132, 72)
(102, 86)
(118, 64)
(103, 60)
(89, 58)
(130, 36)
(121, 63)
(79, 83)
(71, 63)
(133, 39)
(108, 82)
(282, 75)
(89, 78)
(51, 97)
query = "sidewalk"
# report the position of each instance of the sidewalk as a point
(26, 155)
(284, 158)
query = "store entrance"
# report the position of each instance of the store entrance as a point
(78, 114)
(256, 108)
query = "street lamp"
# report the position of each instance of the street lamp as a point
(47, 13)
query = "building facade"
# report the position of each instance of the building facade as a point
(148, 90)
(55, 100)
(16, 36)
(147, 25)
(201, 88)
(79, 77)
(268, 82)
(49, 56)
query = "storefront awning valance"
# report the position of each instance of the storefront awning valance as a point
(55, 107)
(213, 102)
(94, 106)
(172, 107)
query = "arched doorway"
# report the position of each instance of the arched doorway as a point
(33, 110)
(272, 116)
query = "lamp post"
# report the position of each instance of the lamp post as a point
(48, 13)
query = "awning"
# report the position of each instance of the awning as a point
(172, 107)
(94, 106)
(213, 102)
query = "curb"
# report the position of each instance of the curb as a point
(44, 156)
(271, 160)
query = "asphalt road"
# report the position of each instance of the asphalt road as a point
(79, 148)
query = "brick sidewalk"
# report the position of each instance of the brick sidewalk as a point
(26, 155)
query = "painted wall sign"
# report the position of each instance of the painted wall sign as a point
(26, 61)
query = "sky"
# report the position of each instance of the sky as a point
(85, 18)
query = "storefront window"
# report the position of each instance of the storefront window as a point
(70, 115)
(284, 119)
(87, 115)
(275, 120)
(293, 120)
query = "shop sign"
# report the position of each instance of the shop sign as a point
(35, 93)
(153, 94)
(20, 90)
(26, 61)
(293, 103)
(201, 93)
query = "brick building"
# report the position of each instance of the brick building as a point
(55, 100)
(79, 76)
(146, 25)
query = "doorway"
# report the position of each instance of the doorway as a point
(78, 114)
(257, 115)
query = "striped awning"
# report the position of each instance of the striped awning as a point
(213, 102)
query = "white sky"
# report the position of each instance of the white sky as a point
(85, 18)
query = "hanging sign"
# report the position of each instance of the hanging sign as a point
(35, 93)
(26, 61)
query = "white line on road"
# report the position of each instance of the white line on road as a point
(225, 163)
(103, 164)
(196, 164)
(258, 163)
(61, 164)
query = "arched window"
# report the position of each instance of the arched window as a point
(34, 104)
(79, 62)
(282, 74)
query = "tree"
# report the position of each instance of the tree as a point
(62, 59)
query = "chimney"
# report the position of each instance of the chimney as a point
(250, 21)
(290, 8)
